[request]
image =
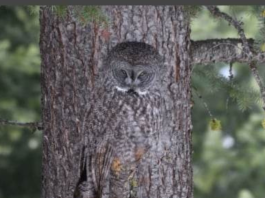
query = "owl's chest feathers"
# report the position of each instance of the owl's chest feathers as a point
(130, 116)
(136, 118)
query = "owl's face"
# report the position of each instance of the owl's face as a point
(134, 68)
(134, 79)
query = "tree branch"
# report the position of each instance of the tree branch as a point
(32, 125)
(231, 50)
(226, 50)
(237, 25)
(223, 50)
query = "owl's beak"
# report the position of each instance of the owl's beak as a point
(132, 92)
(133, 76)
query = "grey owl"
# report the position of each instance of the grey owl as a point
(124, 122)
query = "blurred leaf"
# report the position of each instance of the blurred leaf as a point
(263, 123)
(215, 125)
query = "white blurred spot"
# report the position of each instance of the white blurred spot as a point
(33, 143)
(225, 71)
(245, 193)
(228, 142)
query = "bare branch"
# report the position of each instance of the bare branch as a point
(32, 125)
(237, 25)
(257, 77)
(223, 50)
(247, 50)
(203, 102)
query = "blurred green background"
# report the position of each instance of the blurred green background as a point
(227, 163)
(20, 148)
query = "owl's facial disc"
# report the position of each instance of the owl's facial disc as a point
(133, 80)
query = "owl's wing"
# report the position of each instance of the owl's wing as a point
(94, 176)
(101, 165)
(85, 190)
(85, 187)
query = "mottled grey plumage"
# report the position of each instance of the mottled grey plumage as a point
(124, 122)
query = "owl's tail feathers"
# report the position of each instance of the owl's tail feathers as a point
(85, 190)
(101, 164)
(85, 187)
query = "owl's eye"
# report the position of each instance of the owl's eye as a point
(123, 73)
(120, 74)
(143, 75)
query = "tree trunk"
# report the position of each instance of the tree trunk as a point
(71, 55)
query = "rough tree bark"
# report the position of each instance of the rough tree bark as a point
(71, 55)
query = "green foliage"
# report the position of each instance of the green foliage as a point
(204, 26)
(24, 32)
(89, 14)
(230, 165)
(20, 150)
(193, 10)
(84, 14)
(214, 82)
(259, 13)
(34, 10)
(229, 162)
(60, 10)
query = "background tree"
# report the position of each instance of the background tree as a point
(20, 149)
(229, 160)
